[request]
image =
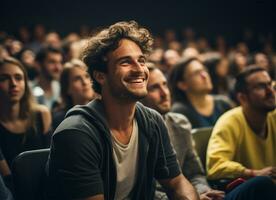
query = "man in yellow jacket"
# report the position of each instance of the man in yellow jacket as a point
(243, 142)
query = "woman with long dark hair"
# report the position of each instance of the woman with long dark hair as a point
(24, 125)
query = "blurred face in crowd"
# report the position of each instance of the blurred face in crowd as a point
(222, 68)
(260, 93)
(261, 61)
(241, 61)
(15, 47)
(127, 73)
(80, 88)
(53, 40)
(171, 57)
(39, 32)
(196, 79)
(52, 66)
(158, 96)
(190, 52)
(28, 57)
(12, 83)
(3, 52)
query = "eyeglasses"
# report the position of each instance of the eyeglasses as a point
(264, 86)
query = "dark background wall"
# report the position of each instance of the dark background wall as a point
(207, 17)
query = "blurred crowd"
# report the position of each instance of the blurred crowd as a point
(224, 57)
(200, 71)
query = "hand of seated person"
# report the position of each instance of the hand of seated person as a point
(212, 195)
(267, 171)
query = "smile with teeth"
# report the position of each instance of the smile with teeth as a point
(138, 80)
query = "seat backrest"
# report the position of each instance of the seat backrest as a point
(28, 171)
(201, 137)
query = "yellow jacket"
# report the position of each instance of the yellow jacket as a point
(233, 146)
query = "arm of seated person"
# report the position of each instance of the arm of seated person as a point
(4, 168)
(46, 118)
(267, 171)
(46, 124)
(212, 194)
(179, 188)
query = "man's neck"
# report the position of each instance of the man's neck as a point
(119, 115)
(198, 99)
(119, 118)
(256, 120)
(203, 103)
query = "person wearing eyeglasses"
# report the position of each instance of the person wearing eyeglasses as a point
(243, 141)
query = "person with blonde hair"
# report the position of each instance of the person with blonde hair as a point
(76, 89)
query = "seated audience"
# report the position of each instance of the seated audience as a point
(218, 68)
(190, 85)
(24, 125)
(76, 89)
(179, 130)
(46, 87)
(170, 58)
(243, 141)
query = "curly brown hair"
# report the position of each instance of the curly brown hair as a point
(108, 40)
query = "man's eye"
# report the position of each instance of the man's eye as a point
(125, 62)
(77, 78)
(142, 61)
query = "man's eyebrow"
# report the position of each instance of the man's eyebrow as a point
(264, 82)
(122, 58)
(129, 57)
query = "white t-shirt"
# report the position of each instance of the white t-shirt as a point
(126, 157)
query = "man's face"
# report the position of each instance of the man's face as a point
(158, 96)
(197, 78)
(260, 92)
(262, 61)
(127, 74)
(52, 66)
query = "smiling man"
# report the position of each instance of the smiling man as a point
(114, 148)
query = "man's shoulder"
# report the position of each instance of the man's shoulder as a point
(272, 115)
(232, 119)
(177, 123)
(177, 118)
(75, 123)
(180, 107)
(232, 113)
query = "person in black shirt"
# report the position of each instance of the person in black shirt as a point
(24, 125)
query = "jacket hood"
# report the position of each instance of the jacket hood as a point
(94, 111)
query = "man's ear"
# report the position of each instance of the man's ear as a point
(182, 85)
(99, 77)
(242, 98)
